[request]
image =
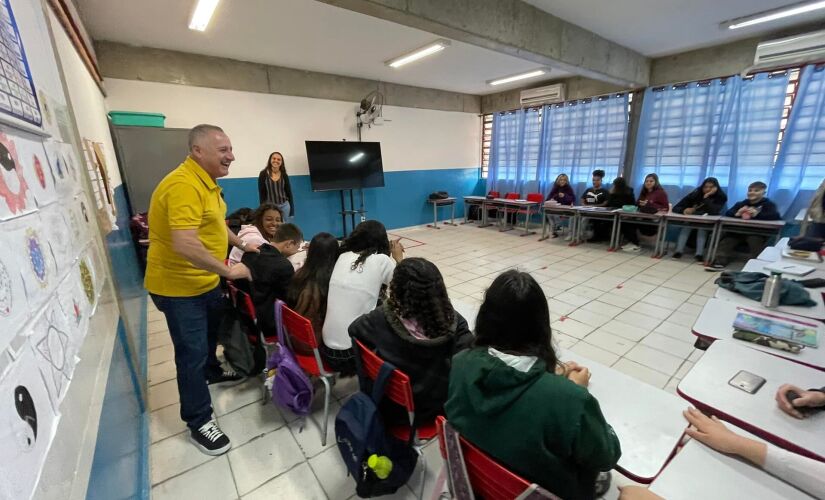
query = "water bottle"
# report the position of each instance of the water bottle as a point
(380, 465)
(773, 287)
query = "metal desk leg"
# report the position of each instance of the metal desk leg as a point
(452, 215)
(503, 226)
(656, 249)
(484, 221)
(466, 213)
(543, 225)
(713, 233)
(617, 230)
(712, 253)
(574, 228)
(435, 216)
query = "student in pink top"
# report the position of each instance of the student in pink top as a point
(266, 220)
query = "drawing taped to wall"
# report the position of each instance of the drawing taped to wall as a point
(58, 236)
(15, 196)
(14, 308)
(55, 351)
(34, 164)
(35, 260)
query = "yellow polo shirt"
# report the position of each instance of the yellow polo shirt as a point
(187, 198)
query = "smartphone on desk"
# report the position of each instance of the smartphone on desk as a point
(747, 381)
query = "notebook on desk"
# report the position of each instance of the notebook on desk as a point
(798, 331)
(785, 267)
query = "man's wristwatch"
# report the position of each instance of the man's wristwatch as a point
(242, 246)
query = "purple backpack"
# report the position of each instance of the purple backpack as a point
(292, 388)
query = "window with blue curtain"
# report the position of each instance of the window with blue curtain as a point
(578, 137)
(723, 128)
(514, 151)
(800, 166)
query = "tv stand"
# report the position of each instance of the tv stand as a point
(352, 211)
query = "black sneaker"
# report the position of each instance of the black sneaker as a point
(228, 377)
(677, 255)
(210, 439)
(699, 258)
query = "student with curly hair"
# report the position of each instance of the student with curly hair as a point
(417, 330)
(265, 220)
(366, 264)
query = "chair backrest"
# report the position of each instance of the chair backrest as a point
(399, 388)
(535, 197)
(511, 196)
(298, 327)
(494, 194)
(489, 479)
(243, 302)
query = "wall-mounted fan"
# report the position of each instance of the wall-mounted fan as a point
(369, 111)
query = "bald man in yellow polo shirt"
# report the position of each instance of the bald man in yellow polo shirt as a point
(188, 238)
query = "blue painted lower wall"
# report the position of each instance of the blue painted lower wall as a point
(121, 462)
(400, 203)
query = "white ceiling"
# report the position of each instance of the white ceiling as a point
(662, 27)
(302, 34)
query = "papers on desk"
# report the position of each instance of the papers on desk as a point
(790, 253)
(779, 327)
(789, 268)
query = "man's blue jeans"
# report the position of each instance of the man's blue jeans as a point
(193, 325)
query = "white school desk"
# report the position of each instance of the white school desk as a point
(700, 222)
(816, 312)
(700, 472)
(513, 206)
(642, 218)
(774, 254)
(706, 386)
(443, 202)
(716, 322)
(758, 266)
(561, 210)
(647, 420)
(470, 201)
(743, 226)
(598, 213)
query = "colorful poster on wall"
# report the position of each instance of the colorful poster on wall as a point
(35, 260)
(16, 197)
(59, 237)
(17, 94)
(60, 169)
(75, 305)
(14, 307)
(27, 426)
(88, 270)
(34, 163)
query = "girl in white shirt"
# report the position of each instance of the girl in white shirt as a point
(366, 263)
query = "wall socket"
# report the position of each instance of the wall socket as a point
(363, 218)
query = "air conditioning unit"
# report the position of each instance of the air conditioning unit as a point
(787, 52)
(542, 95)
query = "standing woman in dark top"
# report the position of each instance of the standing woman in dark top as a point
(273, 186)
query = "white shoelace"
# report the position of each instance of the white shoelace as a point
(211, 431)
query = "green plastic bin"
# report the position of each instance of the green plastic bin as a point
(136, 119)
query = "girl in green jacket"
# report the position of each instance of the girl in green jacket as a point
(511, 397)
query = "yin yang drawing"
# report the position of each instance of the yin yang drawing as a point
(27, 432)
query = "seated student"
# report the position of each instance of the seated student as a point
(307, 292)
(366, 264)
(562, 194)
(596, 195)
(271, 273)
(801, 472)
(707, 199)
(755, 206)
(510, 396)
(265, 220)
(417, 330)
(652, 199)
(620, 194)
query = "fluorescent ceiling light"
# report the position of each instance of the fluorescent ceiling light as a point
(773, 15)
(356, 157)
(417, 54)
(515, 78)
(202, 14)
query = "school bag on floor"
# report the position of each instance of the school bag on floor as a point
(360, 433)
(292, 388)
(241, 347)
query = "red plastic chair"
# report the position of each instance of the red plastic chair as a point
(399, 391)
(489, 479)
(300, 328)
(494, 194)
(242, 302)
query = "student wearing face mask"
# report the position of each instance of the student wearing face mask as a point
(756, 206)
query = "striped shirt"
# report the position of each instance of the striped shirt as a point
(275, 191)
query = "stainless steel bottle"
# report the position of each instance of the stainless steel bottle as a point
(773, 287)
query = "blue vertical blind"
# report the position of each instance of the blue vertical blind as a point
(581, 136)
(800, 166)
(723, 128)
(531, 147)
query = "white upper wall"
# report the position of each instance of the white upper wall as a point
(87, 101)
(257, 124)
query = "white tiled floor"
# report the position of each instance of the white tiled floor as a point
(620, 309)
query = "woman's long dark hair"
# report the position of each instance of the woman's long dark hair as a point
(258, 217)
(316, 271)
(720, 195)
(368, 238)
(620, 185)
(417, 292)
(269, 163)
(515, 319)
(655, 186)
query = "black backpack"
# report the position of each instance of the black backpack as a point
(360, 433)
(439, 195)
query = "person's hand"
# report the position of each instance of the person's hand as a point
(710, 193)
(712, 432)
(690, 211)
(809, 399)
(560, 195)
(579, 375)
(397, 250)
(642, 203)
(252, 247)
(741, 211)
(565, 368)
(637, 493)
(239, 272)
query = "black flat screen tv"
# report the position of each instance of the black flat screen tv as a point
(337, 165)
